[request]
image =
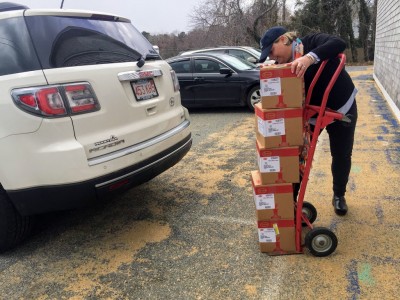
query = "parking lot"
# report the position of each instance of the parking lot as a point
(191, 233)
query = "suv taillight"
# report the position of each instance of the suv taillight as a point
(57, 100)
(175, 81)
(80, 97)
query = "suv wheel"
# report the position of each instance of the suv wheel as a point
(13, 227)
(253, 97)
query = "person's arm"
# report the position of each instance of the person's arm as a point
(325, 45)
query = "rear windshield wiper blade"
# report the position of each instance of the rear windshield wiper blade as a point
(149, 56)
(140, 62)
(152, 56)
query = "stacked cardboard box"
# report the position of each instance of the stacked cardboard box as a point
(279, 136)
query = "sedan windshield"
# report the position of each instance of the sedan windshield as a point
(239, 63)
(255, 51)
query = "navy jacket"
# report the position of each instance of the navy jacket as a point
(327, 47)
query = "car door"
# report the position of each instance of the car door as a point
(183, 70)
(212, 88)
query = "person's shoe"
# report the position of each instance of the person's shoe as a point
(339, 204)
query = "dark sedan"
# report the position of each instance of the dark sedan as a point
(211, 80)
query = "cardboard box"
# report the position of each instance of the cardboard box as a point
(279, 127)
(273, 201)
(277, 237)
(280, 88)
(278, 165)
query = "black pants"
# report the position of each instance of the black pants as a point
(341, 140)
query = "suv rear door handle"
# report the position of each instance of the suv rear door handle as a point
(199, 79)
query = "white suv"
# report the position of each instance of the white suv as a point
(87, 107)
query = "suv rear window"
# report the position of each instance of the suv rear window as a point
(71, 41)
(16, 52)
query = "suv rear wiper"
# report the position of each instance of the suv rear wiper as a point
(152, 56)
(140, 62)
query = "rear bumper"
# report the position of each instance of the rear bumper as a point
(62, 197)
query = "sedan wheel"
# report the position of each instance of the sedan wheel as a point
(253, 97)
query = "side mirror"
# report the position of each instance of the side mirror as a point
(252, 60)
(225, 71)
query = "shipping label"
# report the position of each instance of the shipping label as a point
(269, 164)
(264, 201)
(266, 235)
(270, 87)
(268, 128)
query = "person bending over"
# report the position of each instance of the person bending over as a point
(306, 53)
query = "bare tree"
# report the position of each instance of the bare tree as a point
(373, 30)
(241, 22)
(233, 21)
(265, 7)
(364, 16)
(283, 10)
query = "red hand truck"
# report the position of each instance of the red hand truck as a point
(320, 241)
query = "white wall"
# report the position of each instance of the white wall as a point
(387, 51)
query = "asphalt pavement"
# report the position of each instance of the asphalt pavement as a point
(191, 233)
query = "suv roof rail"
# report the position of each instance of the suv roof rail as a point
(7, 6)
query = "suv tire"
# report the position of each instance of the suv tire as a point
(13, 227)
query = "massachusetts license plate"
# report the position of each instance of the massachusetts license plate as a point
(144, 89)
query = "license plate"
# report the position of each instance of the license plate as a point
(144, 89)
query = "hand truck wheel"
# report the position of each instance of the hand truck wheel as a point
(321, 241)
(309, 211)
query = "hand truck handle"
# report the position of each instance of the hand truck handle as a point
(342, 58)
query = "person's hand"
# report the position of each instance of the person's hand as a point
(300, 65)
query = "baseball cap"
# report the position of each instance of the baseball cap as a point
(268, 39)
